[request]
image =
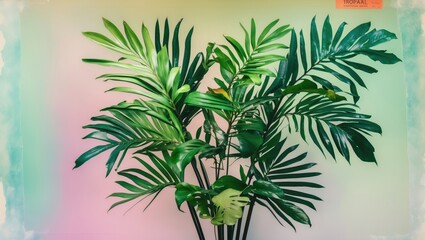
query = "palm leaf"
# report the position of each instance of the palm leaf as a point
(334, 56)
(136, 125)
(142, 182)
(332, 125)
(244, 63)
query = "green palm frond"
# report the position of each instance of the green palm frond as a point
(284, 210)
(262, 96)
(288, 171)
(333, 57)
(332, 124)
(244, 63)
(192, 71)
(158, 118)
(138, 125)
(291, 174)
(143, 182)
(158, 71)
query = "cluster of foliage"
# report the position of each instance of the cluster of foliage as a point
(247, 117)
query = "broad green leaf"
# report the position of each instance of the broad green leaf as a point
(249, 142)
(184, 153)
(209, 101)
(228, 181)
(195, 196)
(267, 189)
(184, 192)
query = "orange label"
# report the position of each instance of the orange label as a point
(359, 4)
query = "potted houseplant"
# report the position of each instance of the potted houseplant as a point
(267, 90)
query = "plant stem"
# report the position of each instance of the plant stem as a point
(229, 141)
(197, 173)
(230, 231)
(248, 217)
(205, 173)
(220, 230)
(196, 222)
(238, 229)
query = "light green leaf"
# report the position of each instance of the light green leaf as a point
(150, 48)
(115, 32)
(229, 205)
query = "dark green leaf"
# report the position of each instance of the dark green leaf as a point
(176, 45)
(326, 36)
(91, 153)
(352, 37)
(184, 153)
(381, 56)
(303, 51)
(267, 189)
(314, 42)
(249, 143)
(209, 101)
(362, 67)
(228, 181)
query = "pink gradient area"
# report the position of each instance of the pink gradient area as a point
(82, 208)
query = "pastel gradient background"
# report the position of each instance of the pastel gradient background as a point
(58, 94)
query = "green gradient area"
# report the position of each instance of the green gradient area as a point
(11, 163)
(41, 171)
(410, 16)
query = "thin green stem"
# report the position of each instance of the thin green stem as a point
(230, 232)
(239, 227)
(196, 222)
(197, 173)
(229, 139)
(220, 232)
(248, 217)
(205, 173)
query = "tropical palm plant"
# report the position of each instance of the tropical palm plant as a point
(248, 118)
